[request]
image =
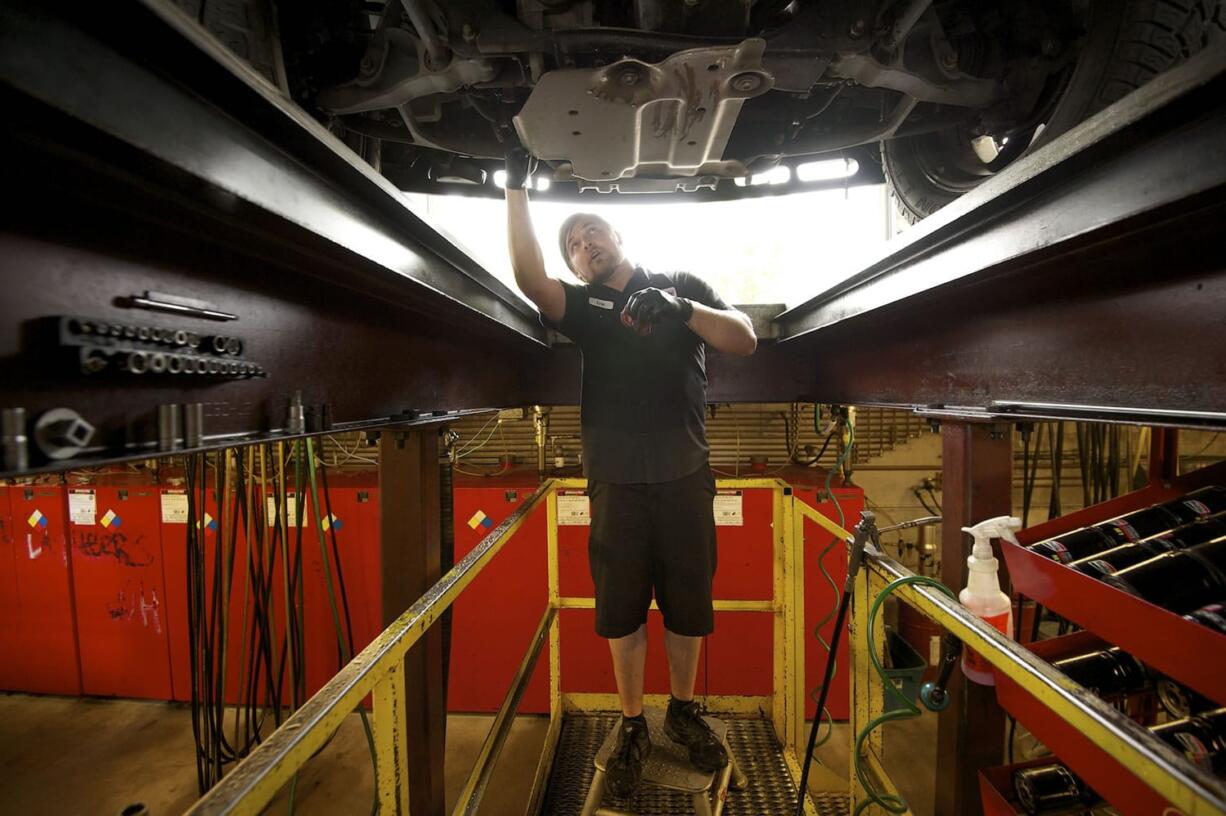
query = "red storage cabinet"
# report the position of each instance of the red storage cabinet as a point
(494, 619)
(46, 638)
(10, 627)
(119, 587)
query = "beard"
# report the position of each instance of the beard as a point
(602, 274)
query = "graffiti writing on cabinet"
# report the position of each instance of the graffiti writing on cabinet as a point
(130, 553)
(44, 543)
(131, 602)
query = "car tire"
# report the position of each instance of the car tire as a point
(1127, 44)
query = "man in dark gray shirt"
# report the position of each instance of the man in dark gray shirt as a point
(643, 338)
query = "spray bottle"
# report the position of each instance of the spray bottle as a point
(983, 595)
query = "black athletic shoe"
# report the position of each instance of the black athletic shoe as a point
(625, 767)
(684, 725)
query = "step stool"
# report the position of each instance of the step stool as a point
(669, 767)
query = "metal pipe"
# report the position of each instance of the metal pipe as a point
(474, 788)
(193, 424)
(438, 54)
(904, 22)
(16, 445)
(168, 427)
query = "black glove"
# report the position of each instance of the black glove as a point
(647, 307)
(520, 166)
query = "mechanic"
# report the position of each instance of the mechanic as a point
(645, 454)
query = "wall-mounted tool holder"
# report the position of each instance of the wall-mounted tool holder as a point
(132, 349)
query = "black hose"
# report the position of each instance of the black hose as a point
(840, 621)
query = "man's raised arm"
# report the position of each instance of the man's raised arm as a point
(526, 259)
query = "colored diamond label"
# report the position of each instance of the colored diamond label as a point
(330, 521)
(37, 519)
(111, 520)
(478, 519)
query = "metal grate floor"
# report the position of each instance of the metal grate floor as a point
(770, 791)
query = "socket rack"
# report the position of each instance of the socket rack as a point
(105, 346)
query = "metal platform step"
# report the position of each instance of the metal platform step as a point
(770, 791)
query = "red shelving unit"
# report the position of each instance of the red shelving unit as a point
(1187, 652)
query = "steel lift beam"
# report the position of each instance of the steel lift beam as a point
(1079, 282)
(1085, 281)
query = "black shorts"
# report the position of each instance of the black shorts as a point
(653, 536)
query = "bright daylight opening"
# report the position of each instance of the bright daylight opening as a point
(774, 249)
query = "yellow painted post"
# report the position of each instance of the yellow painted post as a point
(779, 663)
(867, 692)
(861, 670)
(555, 627)
(389, 718)
(797, 690)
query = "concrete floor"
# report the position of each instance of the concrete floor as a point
(61, 755)
(909, 754)
(83, 755)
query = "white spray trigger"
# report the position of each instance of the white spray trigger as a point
(997, 527)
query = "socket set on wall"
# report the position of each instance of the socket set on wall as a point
(137, 349)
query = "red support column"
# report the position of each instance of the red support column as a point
(410, 521)
(978, 470)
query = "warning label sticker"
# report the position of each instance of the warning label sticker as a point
(82, 507)
(574, 510)
(174, 508)
(729, 509)
(290, 511)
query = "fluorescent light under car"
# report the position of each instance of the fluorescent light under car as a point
(827, 169)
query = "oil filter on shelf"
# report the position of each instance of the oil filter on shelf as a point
(1201, 738)
(1126, 555)
(1208, 501)
(1121, 557)
(1050, 787)
(1201, 532)
(1181, 581)
(1074, 546)
(1106, 672)
(1212, 615)
(1135, 526)
(1179, 701)
(1151, 521)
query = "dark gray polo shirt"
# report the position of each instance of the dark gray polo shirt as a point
(643, 399)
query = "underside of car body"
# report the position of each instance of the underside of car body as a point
(706, 99)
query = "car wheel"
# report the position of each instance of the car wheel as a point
(1126, 45)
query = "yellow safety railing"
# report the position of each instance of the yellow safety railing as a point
(1189, 789)
(378, 670)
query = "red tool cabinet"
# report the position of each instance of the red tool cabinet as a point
(46, 637)
(10, 627)
(119, 588)
(494, 619)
